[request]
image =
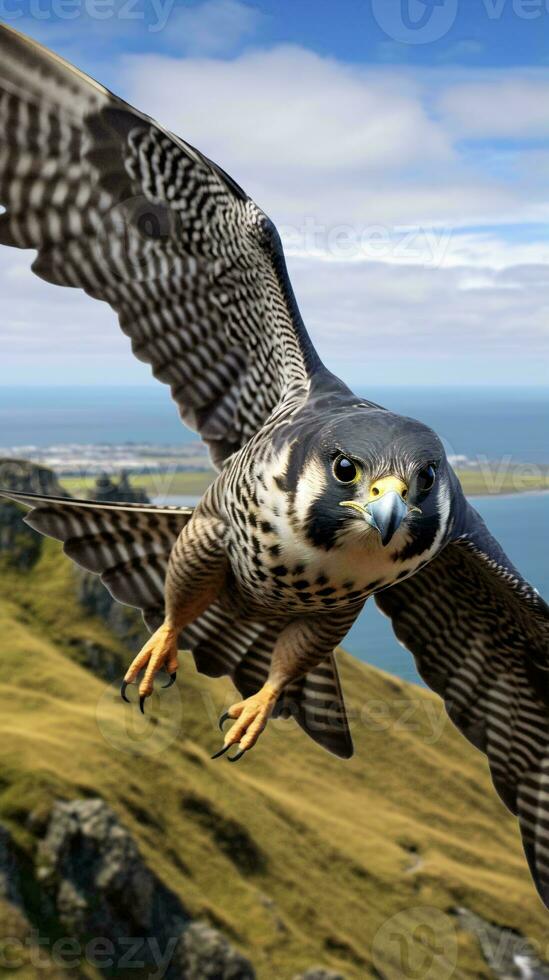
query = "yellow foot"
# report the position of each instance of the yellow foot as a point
(159, 651)
(252, 715)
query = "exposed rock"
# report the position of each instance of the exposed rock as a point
(206, 955)
(90, 865)
(96, 657)
(9, 872)
(91, 871)
(19, 544)
(508, 953)
(21, 547)
(19, 474)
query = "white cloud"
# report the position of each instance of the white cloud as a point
(450, 279)
(410, 324)
(373, 322)
(507, 105)
(51, 335)
(310, 137)
(290, 108)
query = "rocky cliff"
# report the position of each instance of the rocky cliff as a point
(19, 545)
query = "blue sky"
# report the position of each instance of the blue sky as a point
(402, 147)
(492, 33)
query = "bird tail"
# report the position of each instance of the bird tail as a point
(127, 545)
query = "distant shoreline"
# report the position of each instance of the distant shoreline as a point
(486, 494)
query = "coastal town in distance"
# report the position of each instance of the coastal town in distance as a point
(165, 472)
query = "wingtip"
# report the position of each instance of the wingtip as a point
(13, 495)
(541, 883)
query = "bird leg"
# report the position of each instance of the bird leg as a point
(192, 584)
(252, 715)
(159, 651)
(300, 647)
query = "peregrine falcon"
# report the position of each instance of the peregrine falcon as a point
(322, 499)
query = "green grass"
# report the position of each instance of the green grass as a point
(192, 483)
(517, 479)
(298, 857)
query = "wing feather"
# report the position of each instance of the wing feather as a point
(480, 637)
(137, 217)
(127, 545)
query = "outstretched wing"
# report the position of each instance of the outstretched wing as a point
(127, 545)
(135, 216)
(480, 637)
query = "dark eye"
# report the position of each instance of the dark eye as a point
(345, 470)
(425, 478)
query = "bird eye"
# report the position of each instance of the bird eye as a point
(426, 478)
(345, 470)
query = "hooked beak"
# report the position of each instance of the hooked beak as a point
(387, 513)
(386, 507)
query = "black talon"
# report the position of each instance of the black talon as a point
(142, 703)
(123, 692)
(221, 752)
(224, 717)
(171, 680)
(235, 758)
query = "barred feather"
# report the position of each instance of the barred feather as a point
(127, 545)
(137, 217)
(480, 636)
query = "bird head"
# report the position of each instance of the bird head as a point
(371, 473)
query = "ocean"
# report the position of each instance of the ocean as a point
(491, 422)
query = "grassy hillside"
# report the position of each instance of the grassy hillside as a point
(298, 857)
